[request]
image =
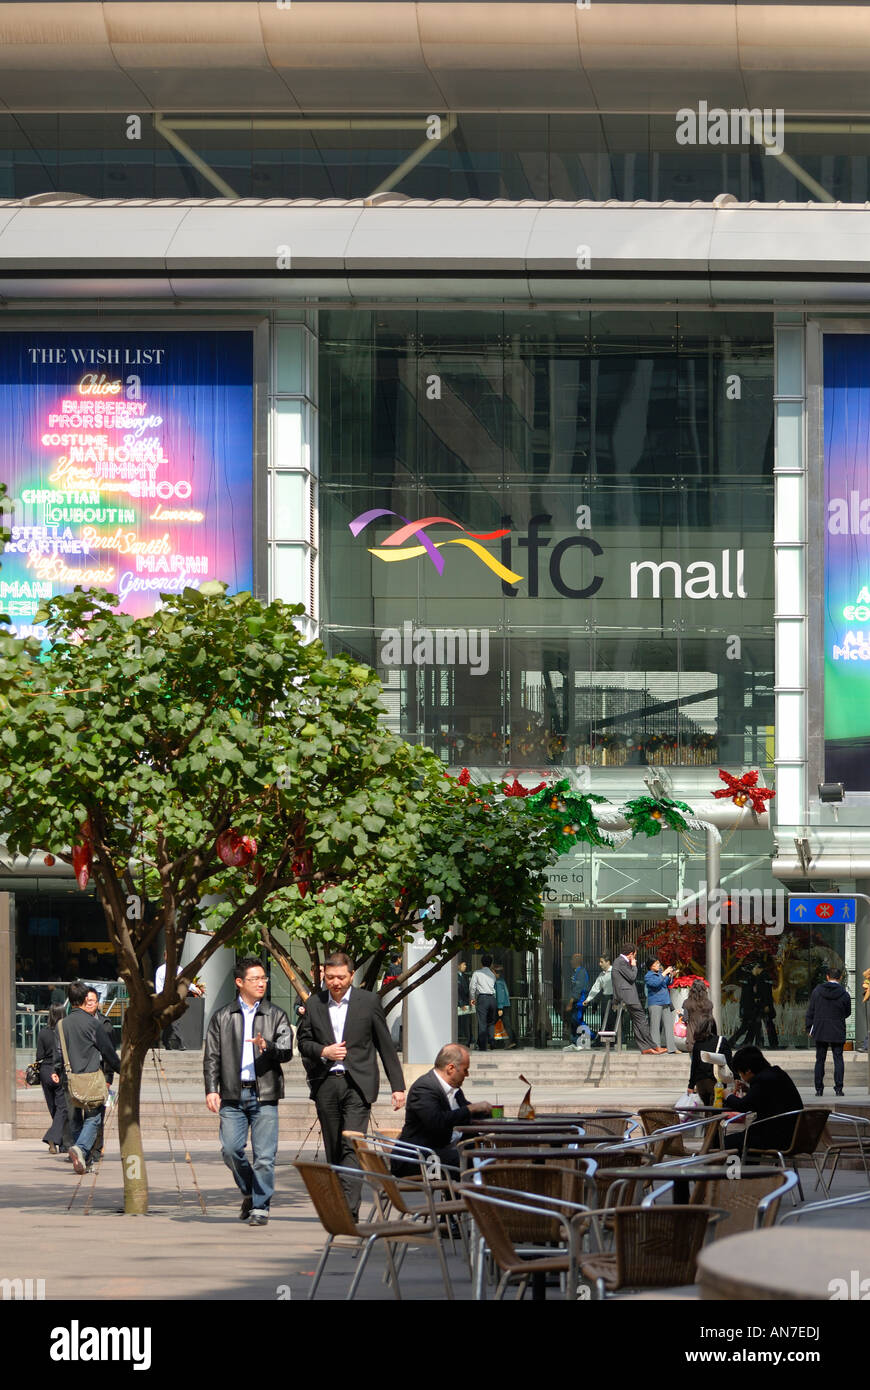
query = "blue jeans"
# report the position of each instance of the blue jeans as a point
(86, 1127)
(236, 1118)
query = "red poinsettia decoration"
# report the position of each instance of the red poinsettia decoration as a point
(742, 790)
(515, 789)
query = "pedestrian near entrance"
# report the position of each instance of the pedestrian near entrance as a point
(245, 1045)
(483, 998)
(603, 986)
(829, 1007)
(658, 1001)
(340, 1038)
(52, 1089)
(623, 975)
(81, 1046)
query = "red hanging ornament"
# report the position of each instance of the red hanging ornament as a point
(235, 850)
(301, 867)
(745, 789)
(49, 860)
(82, 858)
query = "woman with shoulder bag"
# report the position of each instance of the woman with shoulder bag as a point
(53, 1090)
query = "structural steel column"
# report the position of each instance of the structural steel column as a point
(7, 1019)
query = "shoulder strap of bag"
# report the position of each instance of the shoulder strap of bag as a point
(63, 1046)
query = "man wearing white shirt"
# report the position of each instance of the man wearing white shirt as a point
(341, 1036)
(482, 991)
(246, 1043)
(436, 1107)
(173, 1039)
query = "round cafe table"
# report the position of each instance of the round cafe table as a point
(783, 1263)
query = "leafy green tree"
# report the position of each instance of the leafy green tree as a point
(468, 857)
(148, 752)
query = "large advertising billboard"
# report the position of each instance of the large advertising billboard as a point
(847, 558)
(129, 459)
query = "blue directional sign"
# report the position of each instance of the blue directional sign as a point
(818, 909)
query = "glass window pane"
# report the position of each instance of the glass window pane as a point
(291, 359)
(290, 511)
(292, 572)
(291, 435)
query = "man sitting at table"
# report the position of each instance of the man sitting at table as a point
(768, 1091)
(435, 1106)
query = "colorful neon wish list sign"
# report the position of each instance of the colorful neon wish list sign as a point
(129, 465)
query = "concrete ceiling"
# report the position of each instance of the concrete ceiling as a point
(430, 56)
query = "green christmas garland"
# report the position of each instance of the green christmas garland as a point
(571, 816)
(648, 815)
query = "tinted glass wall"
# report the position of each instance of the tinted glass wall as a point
(481, 156)
(593, 581)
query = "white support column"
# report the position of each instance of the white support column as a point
(293, 472)
(790, 561)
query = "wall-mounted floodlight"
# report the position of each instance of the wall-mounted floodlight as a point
(831, 791)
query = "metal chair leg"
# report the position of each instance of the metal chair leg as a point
(445, 1274)
(321, 1266)
(369, 1245)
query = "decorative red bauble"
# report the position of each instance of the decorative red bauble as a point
(464, 777)
(82, 857)
(49, 860)
(301, 867)
(235, 850)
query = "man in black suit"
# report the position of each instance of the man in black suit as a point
(436, 1106)
(768, 1092)
(340, 1038)
(623, 975)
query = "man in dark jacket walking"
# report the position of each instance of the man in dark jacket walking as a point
(829, 1007)
(340, 1038)
(87, 1044)
(245, 1045)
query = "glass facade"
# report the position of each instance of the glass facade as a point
(621, 467)
(498, 155)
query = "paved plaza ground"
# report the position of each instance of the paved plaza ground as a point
(90, 1251)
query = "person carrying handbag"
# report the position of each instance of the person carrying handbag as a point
(82, 1044)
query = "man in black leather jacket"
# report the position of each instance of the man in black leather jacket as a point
(245, 1045)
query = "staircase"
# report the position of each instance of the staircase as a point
(561, 1081)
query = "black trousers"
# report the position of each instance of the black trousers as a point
(642, 1035)
(486, 1016)
(341, 1105)
(55, 1099)
(822, 1057)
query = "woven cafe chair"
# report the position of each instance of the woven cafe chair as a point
(851, 1199)
(653, 1247)
(750, 1203)
(847, 1136)
(493, 1212)
(323, 1183)
(809, 1126)
(549, 1183)
(432, 1181)
(657, 1118)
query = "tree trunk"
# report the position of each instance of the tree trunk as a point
(138, 1038)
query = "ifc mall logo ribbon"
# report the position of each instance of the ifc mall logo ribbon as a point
(395, 547)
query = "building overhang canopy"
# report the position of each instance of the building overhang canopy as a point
(413, 55)
(410, 251)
